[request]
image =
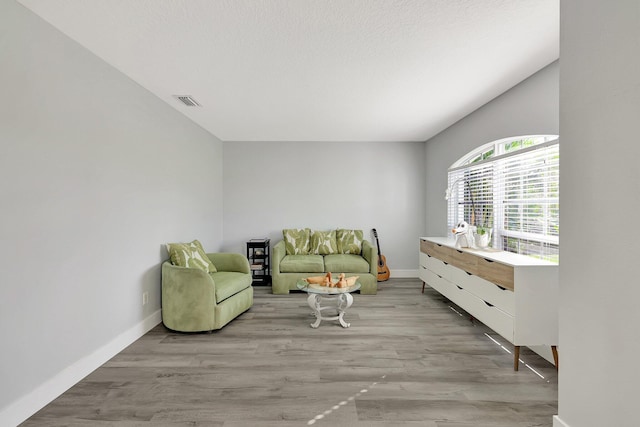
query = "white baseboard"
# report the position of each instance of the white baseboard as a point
(31, 403)
(404, 274)
(557, 422)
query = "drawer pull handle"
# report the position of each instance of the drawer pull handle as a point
(439, 276)
(445, 263)
(488, 260)
(501, 288)
(438, 245)
(461, 288)
(459, 251)
(488, 303)
(470, 274)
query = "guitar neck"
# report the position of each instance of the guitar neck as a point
(380, 257)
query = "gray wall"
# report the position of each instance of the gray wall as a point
(599, 293)
(269, 186)
(531, 107)
(95, 175)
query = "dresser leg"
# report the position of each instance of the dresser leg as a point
(516, 357)
(423, 287)
(554, 350)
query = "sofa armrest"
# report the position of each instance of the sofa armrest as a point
(188, 298)
(370, 253)
(229, 261)
(278, 254)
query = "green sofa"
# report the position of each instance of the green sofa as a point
(286, 269)
(195, 301)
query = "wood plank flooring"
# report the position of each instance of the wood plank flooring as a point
(408, 359)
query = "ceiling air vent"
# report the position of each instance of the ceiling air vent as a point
(187, 100)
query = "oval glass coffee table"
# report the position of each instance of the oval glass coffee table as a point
(340, 300)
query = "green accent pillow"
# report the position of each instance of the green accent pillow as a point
(324, 242)
(349, 241)
(190, 255)
(296, 241)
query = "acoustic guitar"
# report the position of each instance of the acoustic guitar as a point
(383, 270)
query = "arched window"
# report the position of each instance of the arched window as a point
(510, 188)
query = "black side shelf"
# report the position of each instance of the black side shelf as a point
(259, 256)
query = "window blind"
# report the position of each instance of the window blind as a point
(515, 195)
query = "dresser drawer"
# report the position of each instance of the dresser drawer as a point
(436, 250)
(501, 297)
(423, 259)
(495, 272)
(437, 266)
(493, 317)
(426, 247)
(440, 284)
(422, 273)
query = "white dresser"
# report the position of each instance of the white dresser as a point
(515, 295)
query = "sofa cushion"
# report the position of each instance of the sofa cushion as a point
(302, 264)
(190, 255)
(324, 242)
(349, 241)
(296, 240)
(346, 263)
(229, 283)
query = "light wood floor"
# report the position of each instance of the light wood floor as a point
(408, 359)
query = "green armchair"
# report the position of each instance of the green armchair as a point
(195, 301)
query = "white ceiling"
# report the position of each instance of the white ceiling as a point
(318, 70)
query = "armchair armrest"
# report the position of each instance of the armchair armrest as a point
(228, 261)
(370, 253)
(188, 298)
